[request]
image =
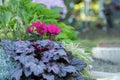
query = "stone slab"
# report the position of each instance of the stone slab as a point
(105, 75)
(107, 54)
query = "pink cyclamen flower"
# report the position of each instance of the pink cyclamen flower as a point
(57, 30)
(30, 29)
(42, 29)
(52, 29)
(36, 24)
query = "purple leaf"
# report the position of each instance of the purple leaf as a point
(42, 43)
(29, 64)
(79, 64)
(62, 73)
(48, 77)
(56, 45)
(80, 78)
(56, 57)
(7, 44)
(23, 47)
(27, 72)
(45, 44)
(16, 74)
(69, 69)
(53, 67)
(25, 59)
(8, 47)
(45, 59)
(60, 52)
(47, 55)
(38, 69)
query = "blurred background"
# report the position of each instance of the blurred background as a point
(94, 18)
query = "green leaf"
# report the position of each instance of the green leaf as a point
(56, 9)
(0, 18)
(49, 20)
(6, 17)
(52, 16)
(62, 36)
(23, 14)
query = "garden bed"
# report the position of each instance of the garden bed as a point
(41, 59)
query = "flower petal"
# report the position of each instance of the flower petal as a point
(51, 28)
(36, 24)
(57, 30)
(30, 30)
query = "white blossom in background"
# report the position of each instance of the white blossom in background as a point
(53, 3)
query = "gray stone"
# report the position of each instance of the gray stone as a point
(111, 54)
(105, 75)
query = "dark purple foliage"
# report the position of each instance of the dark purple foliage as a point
(78, 64)
(16, 73)
(69, 69)
(53, 67)
(42, 60)
(48, 77)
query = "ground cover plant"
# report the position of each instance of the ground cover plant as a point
(42, 59)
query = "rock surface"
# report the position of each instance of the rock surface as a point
(107, 54)
(105, 66)
(106, 63)
(105, 75)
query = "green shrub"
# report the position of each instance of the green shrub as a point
(17, 14)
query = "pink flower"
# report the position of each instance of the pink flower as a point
(52, 29)
(44, 26)
(42, 29)
(30, 30)
(36, 24)
(57, 30)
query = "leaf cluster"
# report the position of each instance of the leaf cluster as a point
(17, 14)
(42, 60)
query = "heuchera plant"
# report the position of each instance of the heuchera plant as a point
(42, 59)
